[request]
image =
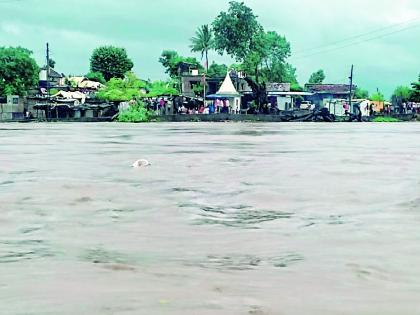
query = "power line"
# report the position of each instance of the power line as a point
(9, 1)
(354, 43)
(357, 36)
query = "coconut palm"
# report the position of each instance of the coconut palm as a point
(202, 42)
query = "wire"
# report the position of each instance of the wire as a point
(9, 1)
(357, 36)
(354, 43)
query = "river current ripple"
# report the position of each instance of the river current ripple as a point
(231, 218)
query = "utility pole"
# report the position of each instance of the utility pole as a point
(351, 87)
(204, 89)
(48, 80)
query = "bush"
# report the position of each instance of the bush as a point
(135, 113)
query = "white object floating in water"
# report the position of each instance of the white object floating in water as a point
(141, 163)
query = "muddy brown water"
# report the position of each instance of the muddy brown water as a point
(229, 219)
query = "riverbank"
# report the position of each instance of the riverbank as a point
(302, 116)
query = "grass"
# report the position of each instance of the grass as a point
(383, 119)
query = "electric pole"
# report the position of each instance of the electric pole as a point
(48, 80)
(204, 89)
(351, 87)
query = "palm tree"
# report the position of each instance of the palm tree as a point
(203, 42)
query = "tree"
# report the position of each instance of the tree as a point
(122, 89)
(235, 31)
(159, 88)
(18, 70)
(203, 42)
(51, 63)
(198, 89)
(377, 97)
(96, 76)
(295, 87)
(111, 61)
(276, 49)
(415, 95)
(215, 70)
(254, 60)
(402, 93)
(171, 61)
(267, 59)
(317, 77)
(280, 72)
(361, 93)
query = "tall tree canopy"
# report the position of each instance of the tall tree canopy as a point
(317, 77)
(202, 42)
(171, 61)
(262, 54)
(276, 49)
(18, 70)
(111, 61)
(235, 31)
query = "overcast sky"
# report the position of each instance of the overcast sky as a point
(146, 27)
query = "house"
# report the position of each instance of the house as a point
(189, 82)
(75, 97)
(55, 79)
(279, 94)
(324, 93)
(85, 83)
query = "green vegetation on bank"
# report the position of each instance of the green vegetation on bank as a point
(384, 119)
(136, 113)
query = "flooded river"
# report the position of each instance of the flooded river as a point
(229, 219)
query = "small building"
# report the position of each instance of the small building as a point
(189, 82)
(323, 93)
(286, 101)
(55, 79)
(12, 108)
